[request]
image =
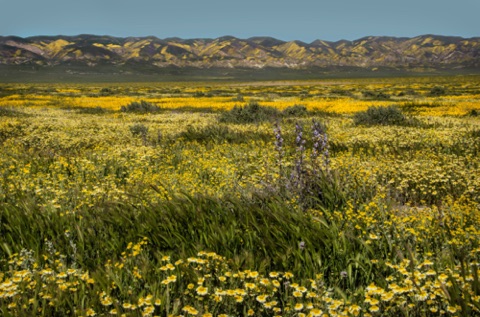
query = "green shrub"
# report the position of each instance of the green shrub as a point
(139, 130)
(375, 95)
(407, 92)
(141, 106)
(473, 113)
(437, 91)
(295, 111)
(10, 112)
(250, 113)
(391, 115)
(106, 91)
(341, 92)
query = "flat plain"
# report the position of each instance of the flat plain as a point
(341, 197)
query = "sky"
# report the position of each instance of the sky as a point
(305, 20)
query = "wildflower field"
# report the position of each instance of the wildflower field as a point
(345, 197)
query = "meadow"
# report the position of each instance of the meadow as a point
(341, 197)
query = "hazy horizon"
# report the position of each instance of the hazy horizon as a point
(304, 20)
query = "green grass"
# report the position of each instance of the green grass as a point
(391, 115)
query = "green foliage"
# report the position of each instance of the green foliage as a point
(220, 133)
(475, 133)
(323, 190)
(252, 112)
(106, 91)
(263, 230)
(10, 112)
(295, 111)
(208, 133)
(473, 113)
(375, 95)
(141, 106)
(391, 115)
(341, 92)
(407, 92)
(139, 130)
(12, 130)
(437, 91)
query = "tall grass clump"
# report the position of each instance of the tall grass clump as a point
(255, 232)
(140, 106)
(391, 115)
(252, 112)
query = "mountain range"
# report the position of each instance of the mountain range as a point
(431, 52)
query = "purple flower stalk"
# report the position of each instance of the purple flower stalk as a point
(296, 178)
(320, 143)
(278, 138)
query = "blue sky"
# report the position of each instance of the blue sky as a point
(304, 20)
